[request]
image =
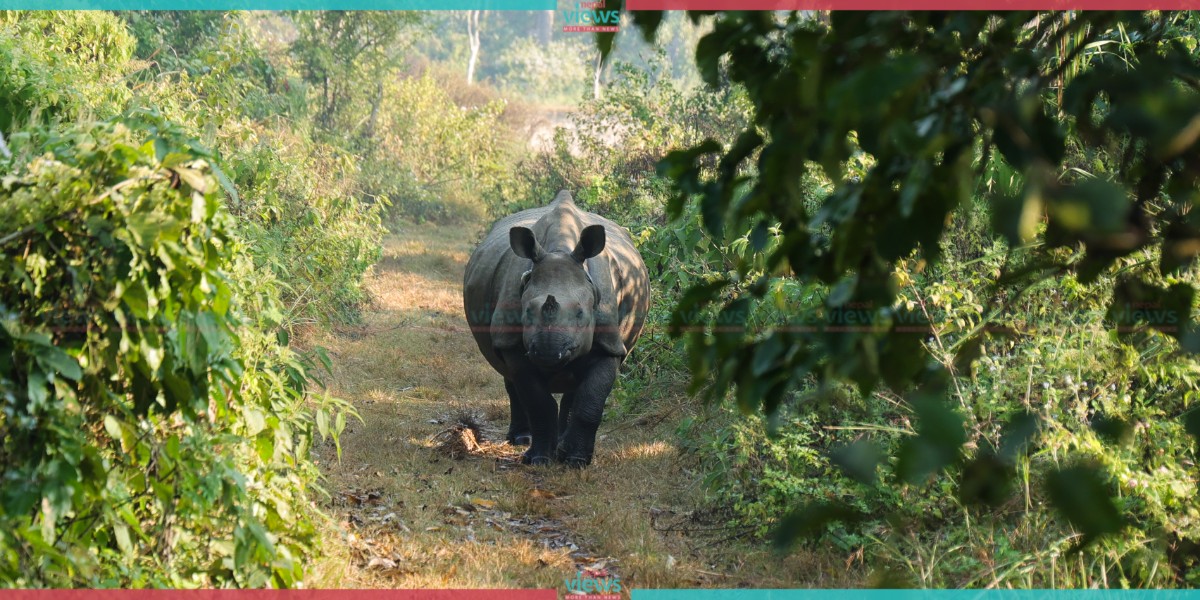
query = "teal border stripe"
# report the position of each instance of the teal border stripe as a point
(278, 4)
(915, 595)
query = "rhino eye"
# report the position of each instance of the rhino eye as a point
(579, 314)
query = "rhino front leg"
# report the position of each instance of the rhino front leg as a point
(540, 409)
(595, 383)
(518, 421)
(564, 413)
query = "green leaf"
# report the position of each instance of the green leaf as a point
(812, 520)
(1017, 434)
(323, 424)
(264, 445)
(1082, 497)
(146, 227)
(987, 479)
(1112, 429)
(58, 361)
(1093, 206)
(193, 178)
(687, 310)
(255, 421)
(939, 441)
(121, 532)
(1017, 217)
(1191, 423)
(859, 460)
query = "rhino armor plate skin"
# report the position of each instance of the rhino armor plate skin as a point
(556, 297)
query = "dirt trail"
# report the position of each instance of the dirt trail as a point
(409, 513)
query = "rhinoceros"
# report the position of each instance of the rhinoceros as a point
(556, 298)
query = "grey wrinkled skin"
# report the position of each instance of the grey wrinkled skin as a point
(556, 297)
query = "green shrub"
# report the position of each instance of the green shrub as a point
(303, 218)
(558, 72)
(433, 158)
(151, 432)
(61, 64)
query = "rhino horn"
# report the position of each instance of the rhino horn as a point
(550, 308)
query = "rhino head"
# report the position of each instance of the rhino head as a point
(558, 298)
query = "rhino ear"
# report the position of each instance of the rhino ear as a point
(591, 243)
(524, 244)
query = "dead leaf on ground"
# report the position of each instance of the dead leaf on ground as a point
(379, 562)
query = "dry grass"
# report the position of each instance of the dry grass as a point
(408, 514)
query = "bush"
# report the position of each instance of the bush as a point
(559, 72)
(60, 64)
(151, 432)
(304, 219)
(434, 158)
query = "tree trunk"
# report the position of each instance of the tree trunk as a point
(596, 90)
(473, 35)
(370, 133)
(543, 27)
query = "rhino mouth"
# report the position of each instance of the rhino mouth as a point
(552, 358)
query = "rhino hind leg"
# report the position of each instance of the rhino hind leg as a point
(578, 442)
(518, 421)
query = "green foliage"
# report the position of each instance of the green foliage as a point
(606, 155)
(342, 54)
(557, 72)
(175, 38)
(913, 118)
(155, 426)
(310, 226)
(432, 158)
(966, 232)
(299, 204)
(151, 434)
(59, 65)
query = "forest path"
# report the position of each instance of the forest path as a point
(408, 514)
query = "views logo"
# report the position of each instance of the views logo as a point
(593, 584)
(591, 16)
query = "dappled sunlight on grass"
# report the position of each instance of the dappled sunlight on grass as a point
(649, 450)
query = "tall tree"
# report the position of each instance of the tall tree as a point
(344, 53)
(473, 38)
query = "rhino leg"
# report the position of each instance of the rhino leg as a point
(518, 421)
(539, 406)
(564, 413)
(596, 377)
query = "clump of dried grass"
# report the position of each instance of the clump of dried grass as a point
(461, 439)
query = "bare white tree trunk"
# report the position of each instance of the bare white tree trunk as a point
(473, 35)
(596, 77)
(543, 27)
